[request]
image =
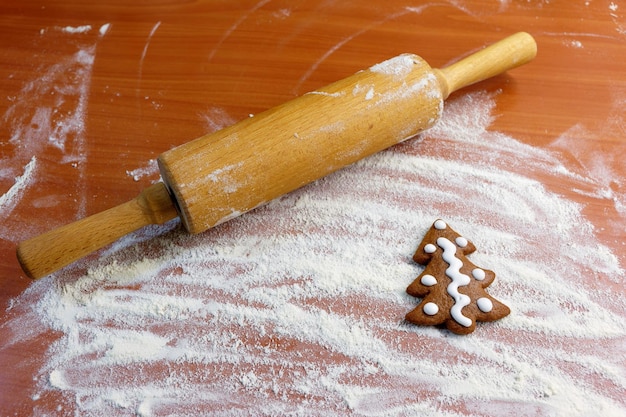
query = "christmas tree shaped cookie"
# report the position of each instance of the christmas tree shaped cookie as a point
(452, 288)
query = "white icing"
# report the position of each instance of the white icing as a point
(458, 279)
(484, 304)
(428, 280)
(431, 309)
(440, 225)
(478, 273)
(461, 242)
(430, 248)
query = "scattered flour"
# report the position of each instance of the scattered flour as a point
(297, 307)
(48, 112)
(147, 44)
(104, 29)
(216, 118)
(77, 29)
(574, 44)
(399, 66)
(13, 194)
(151, 169)
(57, 119)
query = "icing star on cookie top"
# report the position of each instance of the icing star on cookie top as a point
(452, 287)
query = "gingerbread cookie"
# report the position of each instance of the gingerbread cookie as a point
(452, 288)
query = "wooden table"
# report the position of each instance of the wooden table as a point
(92, 92)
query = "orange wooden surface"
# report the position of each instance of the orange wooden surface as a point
(165, 72)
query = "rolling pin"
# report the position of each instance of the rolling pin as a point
(226, 173)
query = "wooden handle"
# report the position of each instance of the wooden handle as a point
(57, 248)
(509, 53)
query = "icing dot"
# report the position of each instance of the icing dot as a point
(428, 280)
(461, 242)
(440, 225)
(479, 274)
(430, 248)
(484, 304)
(431, 309)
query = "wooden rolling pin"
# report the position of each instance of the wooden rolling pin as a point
(224, 174)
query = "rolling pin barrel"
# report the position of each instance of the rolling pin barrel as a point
(221, 175)
(224, 174)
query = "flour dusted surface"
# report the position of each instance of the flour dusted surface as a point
(297, 308)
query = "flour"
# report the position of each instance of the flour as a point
(76, 29)
(104, 29)
(151, 169)
(145, 48)
(58, 119)
(13, 194)
(297, 307)
(399, 66)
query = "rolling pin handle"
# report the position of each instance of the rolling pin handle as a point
(509, 53)
(158, 205)
(44, 254)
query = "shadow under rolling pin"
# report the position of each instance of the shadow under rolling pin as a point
(227, 173)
